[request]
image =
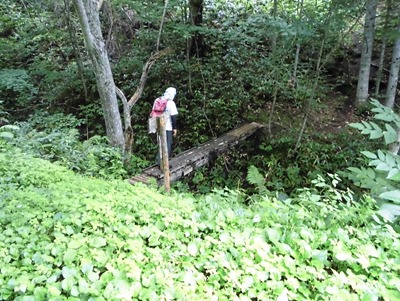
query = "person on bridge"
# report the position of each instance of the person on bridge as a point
(170, 114)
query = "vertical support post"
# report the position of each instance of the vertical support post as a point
(164, 162)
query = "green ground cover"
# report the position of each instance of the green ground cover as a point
(64, 236)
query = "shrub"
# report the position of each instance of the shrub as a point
(382, 176)
(55, 138)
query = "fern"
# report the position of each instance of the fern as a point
(6, 131)
(256, 178)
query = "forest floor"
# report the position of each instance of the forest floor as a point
(331, 115)
(336, 115)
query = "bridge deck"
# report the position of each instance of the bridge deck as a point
(187, 161)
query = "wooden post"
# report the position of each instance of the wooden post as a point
(164, 162)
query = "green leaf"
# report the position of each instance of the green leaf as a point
(247, 282)
(273, 235)
(54, 290)
(10, 127)
(391, 195)
(390, 129)
(370, 296)
(321, 256)
(98, 242)
(154, 240)
(6, 135)
(283, 296)
(376, 127)
(367, 125)
(354, 169)
(224, 237)
(369, 155)
(67, 284)
(92, 276)
(192, 249)
(384, 117)
(343, 256)
(370, 173)
(83, 286)
(366, 131)
(68, 272)
(390, 137)
(383, 167)
(375, 134)
(358, 126)
(87, 267)
(391, 294)
(394, 175)
(381, 155)
(69, 256)
(77, 243)
(390, 160)
(74, 291)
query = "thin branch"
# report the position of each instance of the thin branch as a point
(121, 95)
(161, 25)
(111, 28)
(145, 73)
(126, 107)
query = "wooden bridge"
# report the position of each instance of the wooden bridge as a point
(187, 161)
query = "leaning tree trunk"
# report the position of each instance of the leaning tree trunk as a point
(88, 11)
(366, 53)
(394, 73)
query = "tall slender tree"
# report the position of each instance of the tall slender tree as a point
(196, 18)
(118, 135)
(382, 53)
(88, 11)
(274, 15)
(366, 52)
(394, 73)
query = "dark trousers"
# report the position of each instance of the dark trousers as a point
(169, 146)
(169, 142)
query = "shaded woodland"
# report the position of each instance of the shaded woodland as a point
(307, 209)
(305, 69)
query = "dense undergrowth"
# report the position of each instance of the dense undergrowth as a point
(283, 169)
(69, 237)
(55, 137)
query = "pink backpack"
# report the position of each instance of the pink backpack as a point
(159, 106)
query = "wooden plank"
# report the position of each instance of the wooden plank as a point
(187, 161)
(140, 179)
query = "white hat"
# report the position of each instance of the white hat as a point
(170, 93)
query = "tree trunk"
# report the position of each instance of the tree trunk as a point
(383, 49)
(161, 25)
(72, 36)
(394, 73)
(196, 18)
(271, 114)
(88, 11)
(275, 35)
(311, 99)
(366, 53)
